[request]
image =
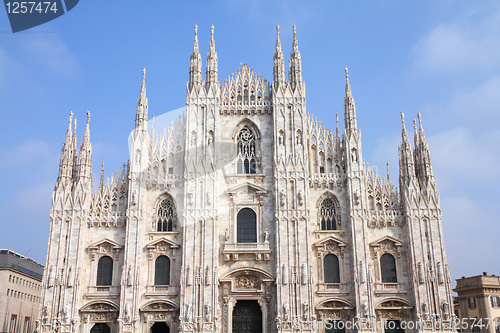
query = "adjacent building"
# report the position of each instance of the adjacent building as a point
(478, 303)
(247, 214)
(20, 290)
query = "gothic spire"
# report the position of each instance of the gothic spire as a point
(66, 163)
(195, 63)
(141, 117)
(422, 155)
(75, 152)
(86, 153)
(212, 64)
(295, 63)
(349, 107)
(279, 63)
(406, 161)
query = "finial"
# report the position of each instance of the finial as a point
(346, 73)
(70, 117)
(196, 30)
(102, 168)
(278, 30)
(403, 120)
(419, 119)
(212, 31)
(294, 31)
(415, 126)
(337, 120)
(143, 74)
(88, 118)
(74, 127)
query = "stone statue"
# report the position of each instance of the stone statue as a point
(266, 236)
(226, 235)
(301, 198)
(129, 276)
(70, 277)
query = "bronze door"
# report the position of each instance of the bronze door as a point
(247, 317)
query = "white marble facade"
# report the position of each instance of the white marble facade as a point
(258, 208)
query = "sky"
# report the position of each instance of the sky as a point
(437, 57)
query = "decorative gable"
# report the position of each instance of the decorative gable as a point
(103, 247)
(162, 246)
(331, 244)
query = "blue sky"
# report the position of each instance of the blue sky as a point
(439, 57)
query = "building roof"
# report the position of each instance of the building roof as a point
(13, 260)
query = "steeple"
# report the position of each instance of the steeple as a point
(349, 107)
(279, 63)
(195, 63)
(66, 163)
(295, 63)
(141, 117)
(406, 161)
(212, 64)
(86, 153)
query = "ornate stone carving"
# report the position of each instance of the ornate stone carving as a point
(247, 282)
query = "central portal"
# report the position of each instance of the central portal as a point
(160, 328)
(247, 317)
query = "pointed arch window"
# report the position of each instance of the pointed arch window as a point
(331, 268)
(388, 268)
(162, 271)
(327, 214)
(246, 158)
(246, 226)
(104, 271)
(166, 215)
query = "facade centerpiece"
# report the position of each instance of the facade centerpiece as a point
(245, 215)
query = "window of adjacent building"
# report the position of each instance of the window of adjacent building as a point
(13, 324)
(26, 327)
(327, 215)
(104, 271)
(162, 271)
(331, 268)
(495, 301)
(246, 151)
(388, 268)
(246, 226)
(166, 215)
(471, 301)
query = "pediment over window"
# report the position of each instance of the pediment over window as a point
(331, 244)
(335, 304)
(159, 306)
(105, 246)
(394, 304)
(247, 192)
(162, 246)
(387, 241)
(387, 244)
(247, 188)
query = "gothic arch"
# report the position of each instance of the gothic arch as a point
(333, 309)
(158, 205)
(246, 123)
(99, 311)
(394, 308)
(395, 299)
(328, 194)
(332, 220)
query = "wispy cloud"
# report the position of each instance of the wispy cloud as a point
(51, 53)
(464, 45)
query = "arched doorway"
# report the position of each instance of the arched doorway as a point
(160, 328)
(247, 317)
(100, 328)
